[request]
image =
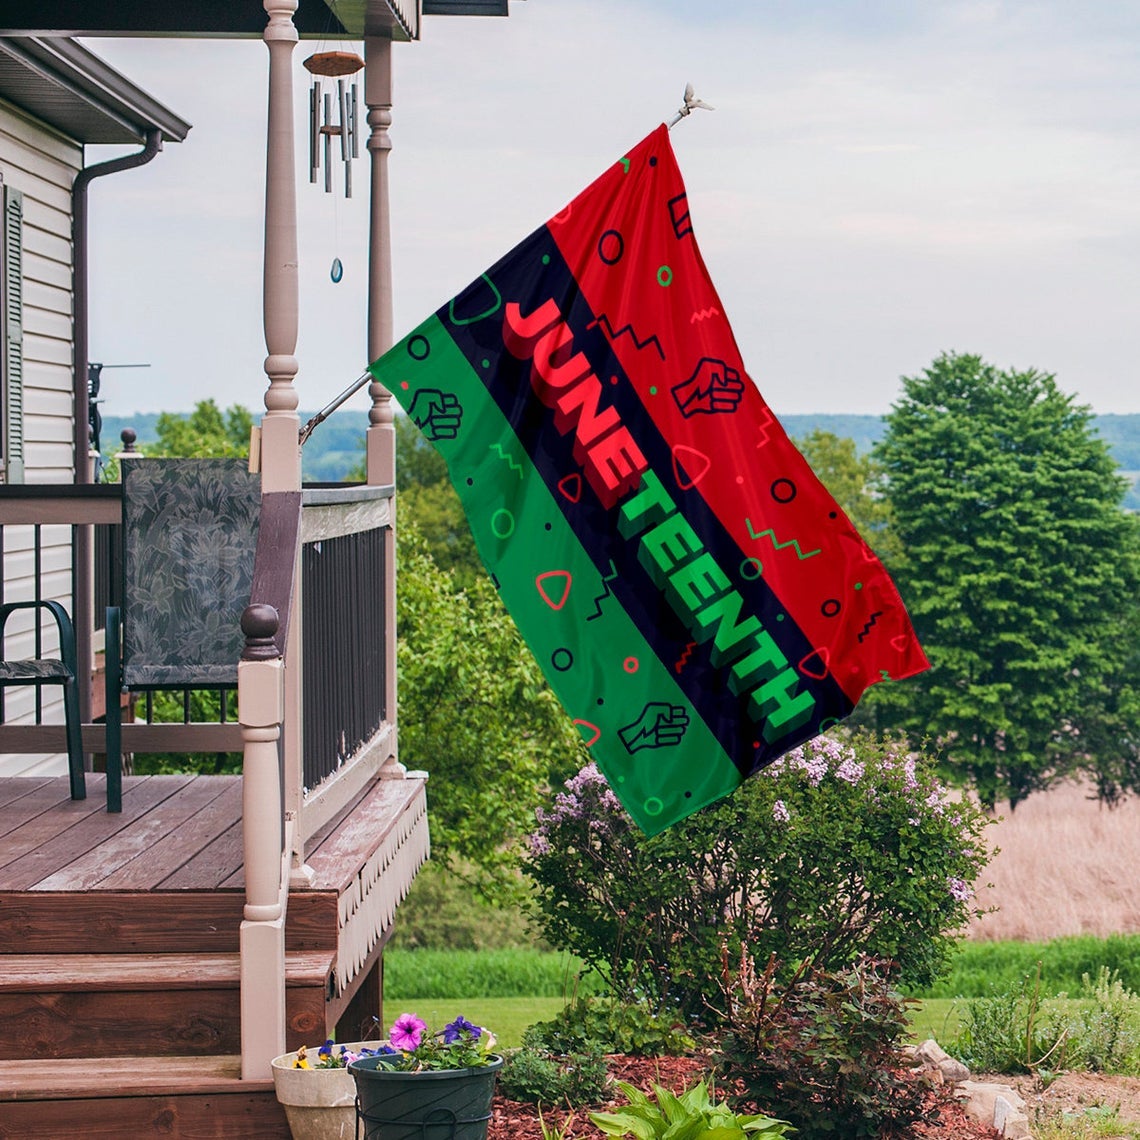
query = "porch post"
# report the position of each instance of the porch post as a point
(261, 706)
(381, 437)
(280, 450)
(378, 97)
(262, 700)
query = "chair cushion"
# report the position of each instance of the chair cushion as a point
(23, 672)
(190, 533)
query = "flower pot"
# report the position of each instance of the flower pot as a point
(444, 1104)
(320, 1104)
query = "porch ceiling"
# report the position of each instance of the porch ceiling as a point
(314, 19)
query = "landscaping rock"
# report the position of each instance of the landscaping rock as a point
(1011, 1123)
(937, 1066)
(987, 1102)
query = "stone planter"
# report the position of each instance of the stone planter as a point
(443, 1104)
(320, 1104)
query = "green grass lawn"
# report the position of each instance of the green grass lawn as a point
(508, 1017)
(505, 1017)
(935, 1017)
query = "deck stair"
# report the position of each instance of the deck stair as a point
(123, 1005)
(119, 964)
(126, 1098)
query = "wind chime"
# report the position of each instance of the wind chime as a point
(322, 129)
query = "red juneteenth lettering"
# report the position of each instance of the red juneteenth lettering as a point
(564, 381)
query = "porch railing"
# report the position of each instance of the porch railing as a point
(348, 731)
(340, 733)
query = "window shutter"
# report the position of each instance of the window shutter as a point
(13, 334)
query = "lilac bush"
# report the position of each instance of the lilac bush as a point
(846, 846)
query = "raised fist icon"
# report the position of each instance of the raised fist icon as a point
(713, 388)
(437, 414)
(660, 724)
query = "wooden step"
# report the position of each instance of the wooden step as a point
(116, 1098)
(153, 922)
(128, 922)
(123, 1005)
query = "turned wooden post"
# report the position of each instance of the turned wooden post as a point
(381, 437)
(378, 97)
(280, 449)
(280, 427)
(261, 707)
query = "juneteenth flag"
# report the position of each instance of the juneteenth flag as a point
(698, 601)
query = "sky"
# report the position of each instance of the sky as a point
(882, 181)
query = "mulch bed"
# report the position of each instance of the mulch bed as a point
(513, 1120)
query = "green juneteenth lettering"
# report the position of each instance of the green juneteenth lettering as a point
(699, 592)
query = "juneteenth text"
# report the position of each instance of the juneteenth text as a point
(670, 551)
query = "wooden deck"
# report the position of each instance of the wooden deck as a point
(119, 938)
(175, 833)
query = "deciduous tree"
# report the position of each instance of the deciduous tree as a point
(1020, 572)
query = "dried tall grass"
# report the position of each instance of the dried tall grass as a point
(1066, 866)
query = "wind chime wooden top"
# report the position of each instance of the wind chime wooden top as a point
(333, 65)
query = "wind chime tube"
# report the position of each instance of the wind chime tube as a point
(343, 108)
(314, 130)
(328, 144)
(354, 121)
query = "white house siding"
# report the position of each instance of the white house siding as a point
(42, 164)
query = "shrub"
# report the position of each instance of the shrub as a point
(1106, 1027)
(841, 847)
(541, 1078)
(821, 1050)
(443, 911)
(1011, 1030)
(611, 1026)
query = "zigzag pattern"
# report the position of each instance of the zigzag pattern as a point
(870, 622)
(792, 542)
(606, 580)
(765, 435)
(703, 314)
(680, 664)
(510, 461)
(613, 334)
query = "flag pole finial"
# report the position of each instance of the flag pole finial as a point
(690, 105)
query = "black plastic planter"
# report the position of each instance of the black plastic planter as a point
(445, 1104)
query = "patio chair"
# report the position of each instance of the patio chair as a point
(189, 537)
(62, 671)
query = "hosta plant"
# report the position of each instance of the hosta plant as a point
(691, 1116)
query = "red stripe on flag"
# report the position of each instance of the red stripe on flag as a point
(632, 250)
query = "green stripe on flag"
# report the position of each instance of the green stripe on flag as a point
(625, 702)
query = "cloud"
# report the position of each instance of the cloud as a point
(879, 182)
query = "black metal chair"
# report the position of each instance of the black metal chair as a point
(189, 537)
(62, 671)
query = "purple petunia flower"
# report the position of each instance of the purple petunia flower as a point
(407, 1032)
(460, 1025)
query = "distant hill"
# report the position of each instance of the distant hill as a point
(338, 444)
